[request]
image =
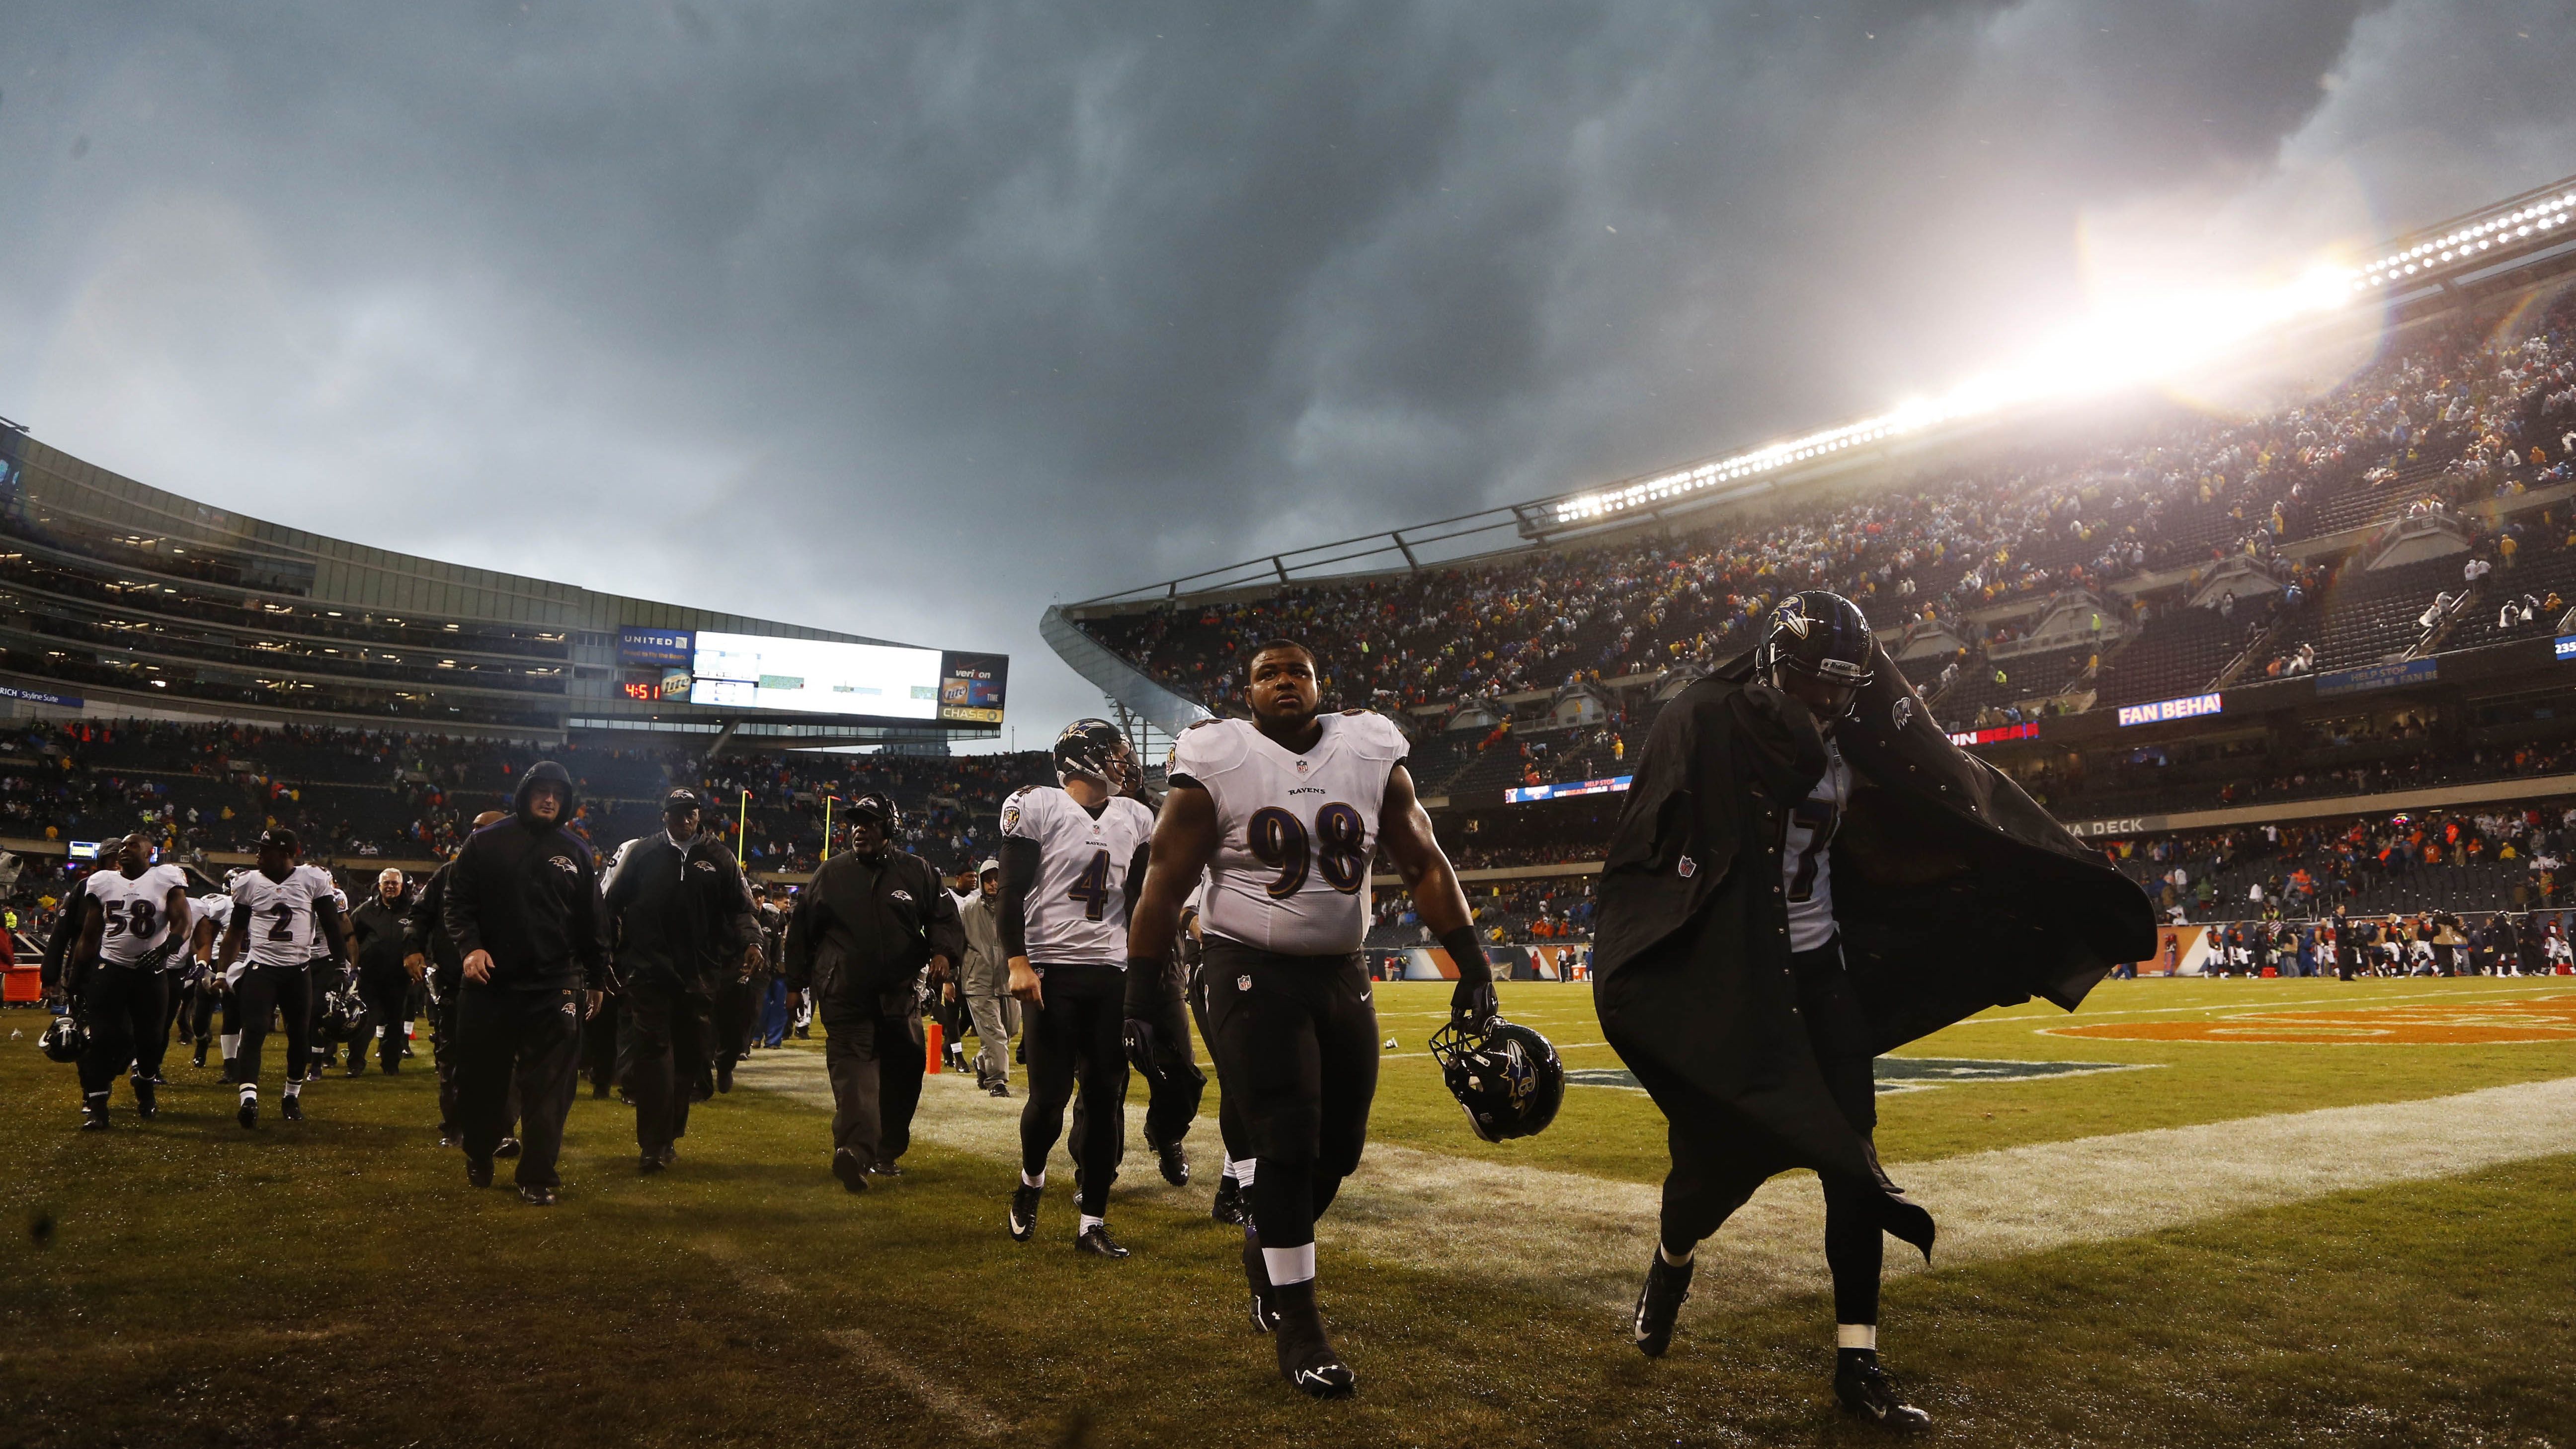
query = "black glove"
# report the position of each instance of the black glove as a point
(1473, 1004)
(1139, 1035)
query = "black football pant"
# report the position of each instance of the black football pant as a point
(1172, 1103)
(737, 1010)
(388, 996)
(875, 1064)
(287, 991)
(672, 1032)
(1078, 1033)
(1705, 1188)
(532, 1038)
(121, 1010)
(323, 980)
(203, 999)
(1229, 1115)
(1295, 1040)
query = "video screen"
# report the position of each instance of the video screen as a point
(814, 676)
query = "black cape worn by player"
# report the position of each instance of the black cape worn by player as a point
(1953, 892)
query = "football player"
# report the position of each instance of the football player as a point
(1073, 855)
(280, 911)
(204, 991)
(1283, 813)
(133, 921)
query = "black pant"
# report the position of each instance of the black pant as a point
(1171, 1103)
(323, 979)
(1229, 1112)
(672, 1031)
(737, 1010)
(387, 992)
(1078, 1030)
(202, 999)
(287, 991)
(1704, 1187)
(121, 1011)
(607, 1052)
(1295, 1038)
(534, 1039)
(875, 1063)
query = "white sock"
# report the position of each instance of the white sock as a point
(1289, 1265)
(250, 1091)
(1037, 1181)
(1088, 1223)
(1243, 1171)
(232, 1045)
(294, 1088)
(1228, 1172)
(1683, 1261)
(1856, 1335)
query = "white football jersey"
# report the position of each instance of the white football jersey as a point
(137, 922)
(1806, 856)
(284, 928)
(1076, 911)
(1296, 833)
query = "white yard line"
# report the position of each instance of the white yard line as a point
(1587, 1237)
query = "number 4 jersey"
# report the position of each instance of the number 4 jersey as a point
(137, 922)
(1296, 832)
(1076, 911)
(283, 928)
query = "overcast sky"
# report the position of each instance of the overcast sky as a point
(908, 319)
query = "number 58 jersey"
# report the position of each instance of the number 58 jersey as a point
(1296, 833)
(1076, 911)
(136, 922)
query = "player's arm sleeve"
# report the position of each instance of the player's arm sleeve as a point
(1019, 873)
(947, 933)
(464, 924)
(1134, 885)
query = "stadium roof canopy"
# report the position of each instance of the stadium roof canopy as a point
(123, 599)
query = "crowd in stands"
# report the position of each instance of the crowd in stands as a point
(367, 794)
(2496, 859)
(2421, 943)
(2468, 407)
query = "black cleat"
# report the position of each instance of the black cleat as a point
(1174, 1161)
(1866, 1390)
(447, 1137)
(391, 1068)
(852, 1173)
(1230, 1205)
(147, 1098)
(536, 1196)
(649, 1163)
(93, 1119)
(1024, 1213)
(248, 1116)
(290, 1109)
(1256, 1272)
(1096, 1241)
(1306, 1357)
(201, 1054)
(998, 1089)
(359, 1069)
(1660, 1302)
(886, 1169)
(670, 1154)
(478, 1172)
(724, 1076)
(509, 1148)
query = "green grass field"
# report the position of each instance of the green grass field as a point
(337, 1282)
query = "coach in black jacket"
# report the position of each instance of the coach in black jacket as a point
(682, 918)
(381, 931)
(523, 907)
(859, 936)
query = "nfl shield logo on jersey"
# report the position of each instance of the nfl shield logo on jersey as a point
(1243, 983)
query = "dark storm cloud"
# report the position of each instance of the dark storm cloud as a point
(905, 319)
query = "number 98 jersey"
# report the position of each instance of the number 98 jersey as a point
(1075, 913)
(1296, 833)
(284, 931)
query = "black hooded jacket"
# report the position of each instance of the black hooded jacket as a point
(863, 929)
(682, 915)
(1953, 892)
(527, 891)
(425, 931)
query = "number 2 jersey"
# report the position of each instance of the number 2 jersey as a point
(1076, 910)
(1296, 833)
(138, 922)
(284, 928)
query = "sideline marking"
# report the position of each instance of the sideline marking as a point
(2487, 1022)
(1586, 1238)
(1908, 1074)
